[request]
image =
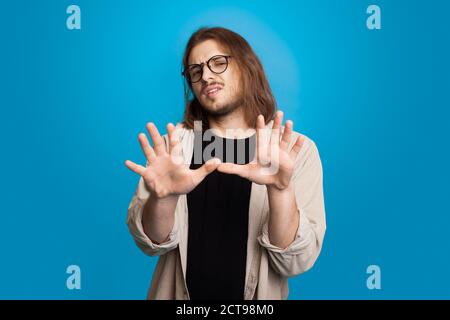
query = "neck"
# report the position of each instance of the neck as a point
(231, 126)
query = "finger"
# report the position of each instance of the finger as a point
(145, 145)
(209, 166)
(297, 147)
(261, 139)
(158, 141)
(170, 129)
(174, 140)
(286, 137)
(135, 167)
(276, 127)
(260, 123)
(231, 168)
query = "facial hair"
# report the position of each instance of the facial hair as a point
(226, 109)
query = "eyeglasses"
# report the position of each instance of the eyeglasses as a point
(217, 64)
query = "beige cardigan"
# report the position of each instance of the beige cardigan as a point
(268, 266)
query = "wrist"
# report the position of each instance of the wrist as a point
(280, 189)
(166, 198)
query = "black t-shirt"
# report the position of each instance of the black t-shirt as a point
(218, 223)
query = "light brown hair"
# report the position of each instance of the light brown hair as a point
(256, 93)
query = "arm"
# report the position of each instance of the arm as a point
(304, 248)
(151, 215)
(138, 225)
(158, 217)
(151, 219)
(283, 216)
(292, 173)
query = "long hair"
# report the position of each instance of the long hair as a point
(257, 96)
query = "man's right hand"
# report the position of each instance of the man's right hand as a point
(165, 174)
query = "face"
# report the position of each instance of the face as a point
(227, 98)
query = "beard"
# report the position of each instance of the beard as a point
(225, 109)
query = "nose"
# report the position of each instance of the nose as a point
(207, 74)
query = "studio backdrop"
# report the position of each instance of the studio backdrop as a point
(367, 81)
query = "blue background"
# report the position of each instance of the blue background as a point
(73, 102)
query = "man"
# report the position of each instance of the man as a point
(230, 200)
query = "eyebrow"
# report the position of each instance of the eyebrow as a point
(216, 54)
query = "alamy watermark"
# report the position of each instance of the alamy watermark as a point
(374, 280)
(73, 281)
(73, 21)
(373, 22)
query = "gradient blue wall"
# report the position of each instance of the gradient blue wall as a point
(73, 101)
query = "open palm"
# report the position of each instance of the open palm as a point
(274, 162)
(166, 174)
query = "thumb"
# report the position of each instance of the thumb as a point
(209, 166)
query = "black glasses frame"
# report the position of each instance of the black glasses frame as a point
(185, 72)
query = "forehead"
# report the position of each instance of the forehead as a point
(205, 50)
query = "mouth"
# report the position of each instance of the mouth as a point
(212, 91)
